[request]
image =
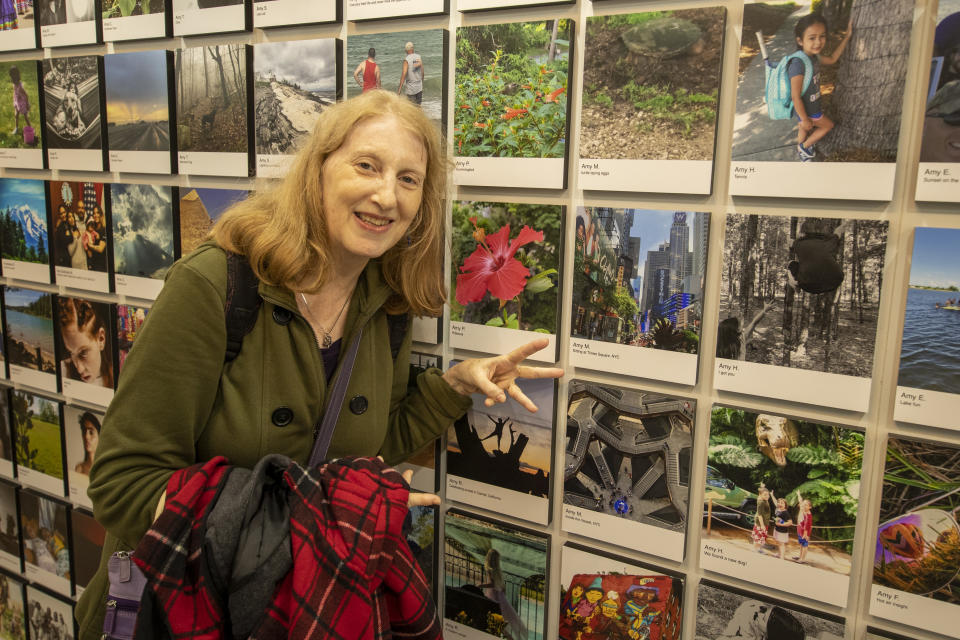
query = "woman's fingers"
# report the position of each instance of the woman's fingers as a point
(523, 352)
(422, 500)
(521, 397)
(539, 372)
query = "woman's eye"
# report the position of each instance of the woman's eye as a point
(366, 166)
(410, 180)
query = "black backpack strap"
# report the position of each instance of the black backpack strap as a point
(243, 303)
(397, 324)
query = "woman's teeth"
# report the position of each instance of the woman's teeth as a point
(377, 222)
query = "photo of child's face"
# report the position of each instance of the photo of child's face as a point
(84, 350)
(814, 37)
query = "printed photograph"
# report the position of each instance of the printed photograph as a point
(12, 623)
(71, 90)
(505, 445)
(628, 453)
(80, 239)
(6, 443)
(421, 536)
(82, 429)
(29, 316)
(66, 11)
(45, 542)
(918, 540)
(495, 577)
(138, 103)
(638, 277)
(724, 614)
(49, 615)
(9, 529)
(129, 322)
(193, 5)
(811, 75)
(931, 322)
(651, 82)
(783, 487)
(506, 258)
(412, 63)
(86, 341)
(19, 103)
(877, 634)
(212, 97)
(23, 221)
(199, 209)
(293, 82)
(36, 427)
(802, 293)
(127, 8)
(142, 229)
(88, 537)
(17, 14)
(941, 124)
(424, 461)
(603, 598)
(511, 89)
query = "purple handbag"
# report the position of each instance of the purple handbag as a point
(123, 597)
(126, 580)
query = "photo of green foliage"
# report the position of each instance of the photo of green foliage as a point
(511, 84)
(12, 124)
(794, 460)
(126, 8)
(650, 85)
(506, 258)
(36, 424)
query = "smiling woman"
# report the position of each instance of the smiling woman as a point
(343, 249)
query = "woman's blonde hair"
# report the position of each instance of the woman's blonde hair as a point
(283, 232)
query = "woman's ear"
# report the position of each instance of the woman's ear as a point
(101, 338)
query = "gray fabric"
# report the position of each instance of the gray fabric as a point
(247, 541)
(414, 83)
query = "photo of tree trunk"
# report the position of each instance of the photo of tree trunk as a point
(211, 86)
(802, 293)
(650, 85)
(851, 88)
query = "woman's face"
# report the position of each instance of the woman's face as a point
(97, 215)
(85, 350)
(372, 188)
(91, 437)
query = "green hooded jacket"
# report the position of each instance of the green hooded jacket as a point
(177, 403)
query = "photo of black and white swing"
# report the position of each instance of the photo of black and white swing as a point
(74, 112)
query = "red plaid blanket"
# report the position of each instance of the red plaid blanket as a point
(353, 574)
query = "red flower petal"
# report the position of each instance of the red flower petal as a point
(526, 236)
(472, 286)
(509, 280)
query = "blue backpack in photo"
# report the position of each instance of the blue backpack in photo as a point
(777, 93)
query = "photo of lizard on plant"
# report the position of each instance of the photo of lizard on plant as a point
(918, 540)
(650, 84)
(511, 89)
(505, 258)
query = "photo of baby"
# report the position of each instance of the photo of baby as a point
(46, 548)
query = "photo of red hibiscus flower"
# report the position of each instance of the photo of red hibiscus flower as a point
(505, 265)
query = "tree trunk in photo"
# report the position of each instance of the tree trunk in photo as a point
(553, 41)
(223, 79)
(746, 264)
(206, 83)
(867, 99)
(835, 11)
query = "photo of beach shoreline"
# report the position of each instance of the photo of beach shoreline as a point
(29, 316)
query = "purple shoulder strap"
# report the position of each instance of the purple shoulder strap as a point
(332, 414)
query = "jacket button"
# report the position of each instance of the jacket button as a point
(282, 316)
(282, 416)
(358, 404)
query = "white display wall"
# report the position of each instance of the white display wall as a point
(865, 403)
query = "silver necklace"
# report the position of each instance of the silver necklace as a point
(326, 340)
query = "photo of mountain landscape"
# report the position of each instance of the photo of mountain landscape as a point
(23, 221)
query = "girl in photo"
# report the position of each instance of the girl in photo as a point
(21, 102)
(761, 520)
(811, 35)
(90, 435)
(84, 337)
(8, 15)
(96, 249)
(781, 527)
(78, 256)
(496, 589)
(804, 527)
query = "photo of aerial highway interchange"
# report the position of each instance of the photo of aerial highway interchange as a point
(628, 453)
